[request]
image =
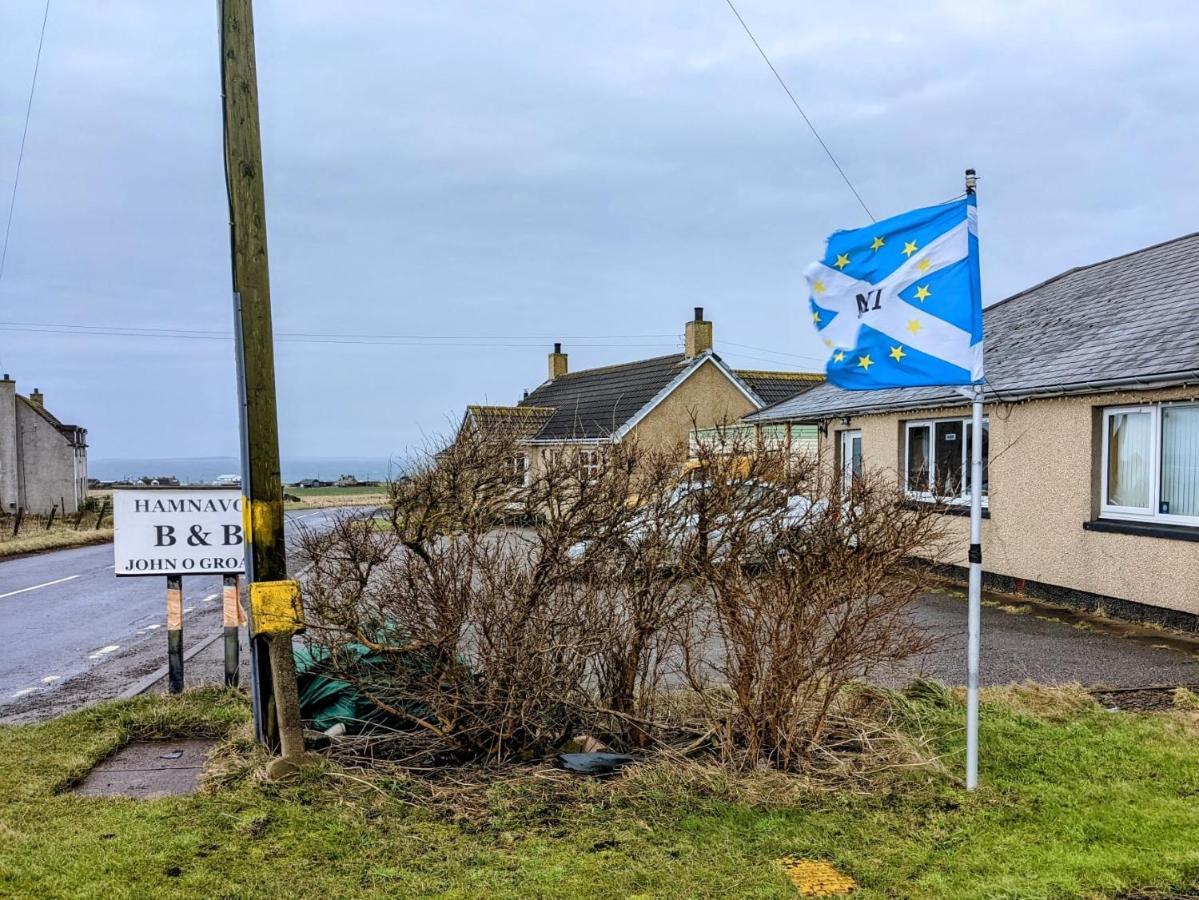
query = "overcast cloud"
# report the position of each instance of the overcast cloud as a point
(548, 170)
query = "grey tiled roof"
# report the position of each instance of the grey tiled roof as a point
(1099, 327)
(517, 421)
(594, 403)
(775, 386)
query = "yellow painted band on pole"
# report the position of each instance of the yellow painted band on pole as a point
(245, 519)
(260, 518)
(275, 607)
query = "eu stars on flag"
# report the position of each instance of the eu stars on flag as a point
(904, 294)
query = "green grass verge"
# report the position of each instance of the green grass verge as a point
(1082, 803)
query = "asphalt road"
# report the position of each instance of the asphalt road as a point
(71, 627)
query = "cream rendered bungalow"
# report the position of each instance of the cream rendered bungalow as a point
(1092, 446)
(656, 401)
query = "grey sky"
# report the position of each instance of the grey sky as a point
(550, 170)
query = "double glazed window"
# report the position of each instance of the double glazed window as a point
(936, 457)
(1151, 463)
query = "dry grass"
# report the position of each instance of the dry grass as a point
(45, 541)
(1186, 700)
(1053, 702)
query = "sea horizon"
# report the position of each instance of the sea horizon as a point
(207, 469)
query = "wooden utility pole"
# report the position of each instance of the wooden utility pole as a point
(277, 714)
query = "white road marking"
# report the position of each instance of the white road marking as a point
(155, 625)
(188, 609)
(209, 597)
(36, 586)
(103, 651)
(22, 693)
(50, 679)
(306, 516)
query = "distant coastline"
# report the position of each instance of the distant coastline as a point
(204, 470)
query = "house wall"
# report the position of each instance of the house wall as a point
(47, 463)
(8, 445)
(706, 398)
(1044, 468)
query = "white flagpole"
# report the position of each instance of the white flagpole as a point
(974, 616)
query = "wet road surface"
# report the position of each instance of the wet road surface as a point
(73, 632)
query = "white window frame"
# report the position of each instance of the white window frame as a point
(590, 463)
(1133, 513)
(929, 496)
(523, 474)
(848, 476)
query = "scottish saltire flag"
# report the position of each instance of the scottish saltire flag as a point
(898, 303)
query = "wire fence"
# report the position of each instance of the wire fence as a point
(91, 516)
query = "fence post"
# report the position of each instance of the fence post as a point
(16, 523)
(100, 518)
(231, 607)
(50, 521)
(175, 633)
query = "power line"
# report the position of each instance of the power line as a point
(799, 109)
(776, 352)
(138, 330)
(12, 202)
(516, 342)
(476, 341)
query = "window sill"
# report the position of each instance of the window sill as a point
(946, 509)
(1145, 529)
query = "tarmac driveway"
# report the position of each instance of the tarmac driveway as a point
(1027, 642)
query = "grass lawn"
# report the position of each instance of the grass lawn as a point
(1077, 803)
(314, 498)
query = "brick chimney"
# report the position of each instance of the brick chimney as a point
(36, 398)
(557, 362)
(698, 335)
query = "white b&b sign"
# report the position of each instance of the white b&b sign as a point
(178, 531)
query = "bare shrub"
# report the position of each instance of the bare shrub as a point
(498, 639)
(808, 585)
(504, 608)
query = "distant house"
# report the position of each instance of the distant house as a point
(1092, 437)
(654, 400)
(43, 462)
